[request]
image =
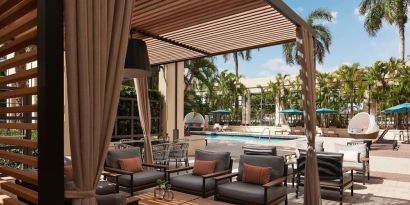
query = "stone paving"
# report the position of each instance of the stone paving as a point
(390, 173)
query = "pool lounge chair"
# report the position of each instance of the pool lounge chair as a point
(380, 142)
(240, 192)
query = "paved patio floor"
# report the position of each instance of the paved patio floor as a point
(390, 173)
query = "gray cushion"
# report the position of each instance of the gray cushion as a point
(140, 178)
(105, 187)
(222, 158)
(360, 148)
(192, 182)
(114, 155)
(250, 193)
(259, 150)
(277, 164)
(111, 199)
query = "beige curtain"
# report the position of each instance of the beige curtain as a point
(141, 88)
(96, 36)
(307, 73)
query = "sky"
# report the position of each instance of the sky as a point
(351, 43)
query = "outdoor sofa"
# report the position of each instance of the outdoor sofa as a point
(244, 193)
(201, 185)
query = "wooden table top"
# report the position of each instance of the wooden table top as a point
(180, 198)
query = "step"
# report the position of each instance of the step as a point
(20, 191)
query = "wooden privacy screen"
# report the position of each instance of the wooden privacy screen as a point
(18, 55)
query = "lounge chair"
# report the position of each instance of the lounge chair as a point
(360, 163)
(201, 185)
(241, 192)
(133, 181)
(297, 132)
(270, 151)
(330, 133)
(380, 142)
(331, 173)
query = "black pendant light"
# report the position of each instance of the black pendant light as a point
(137, 60)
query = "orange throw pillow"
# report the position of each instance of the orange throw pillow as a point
(68, 171)
(131, 164)
(202, 167)
(255, 174)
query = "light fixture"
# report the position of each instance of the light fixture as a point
(137, 60)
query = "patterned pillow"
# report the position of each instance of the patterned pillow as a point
(202, 167)
(131, 164)
(256, 175)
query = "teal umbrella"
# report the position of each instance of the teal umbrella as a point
(325, 110)
(220, 111)
(291, 111)
(402, 108)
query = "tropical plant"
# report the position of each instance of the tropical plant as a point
(352, 88)
(393, 11)
(202, 70)
(323, 37)
(229, 87)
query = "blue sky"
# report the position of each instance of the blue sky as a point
(351, 43)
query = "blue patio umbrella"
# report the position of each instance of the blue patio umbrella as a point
(325, 110)
(402, 108)
(291, 111)
(220, 111)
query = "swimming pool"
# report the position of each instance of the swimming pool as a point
(244, 138)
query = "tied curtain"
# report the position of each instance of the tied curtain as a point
(141, 89)
(307, 61)
(96, 36)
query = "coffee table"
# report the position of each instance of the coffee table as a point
(180, 198)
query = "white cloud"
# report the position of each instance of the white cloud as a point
(274, 66)
(299, 10)
(358, 15)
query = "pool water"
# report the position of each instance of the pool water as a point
(246, 138)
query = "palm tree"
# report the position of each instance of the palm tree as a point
(352, 88)
(323, 37)
(202, 70)
(244, 55)
(393, 11)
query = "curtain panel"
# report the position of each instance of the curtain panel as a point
(141, 89)
(306, 59)
(96, 36)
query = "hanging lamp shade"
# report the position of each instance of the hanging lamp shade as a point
(137, 60)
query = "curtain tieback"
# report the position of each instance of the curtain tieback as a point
(79, 194)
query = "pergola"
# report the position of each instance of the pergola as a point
(174, 30)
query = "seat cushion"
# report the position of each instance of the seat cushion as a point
(250, 193)
(302, 145)
(336, 182)
(140, 178)
(354, 165)
(105, 187)
(256, 174)
(222, 158)
(131, 164)
(114, 155)
(202, 167)
(192, 182)
(276, 163)
(259, 150)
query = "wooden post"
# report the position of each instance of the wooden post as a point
(307, 75)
